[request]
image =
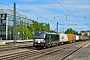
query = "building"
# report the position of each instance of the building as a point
(7, 21)
(85, 32)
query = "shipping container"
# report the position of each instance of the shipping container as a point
(77, 37)
(84, 37)
(63, 37)
(80, 37)
(74, 37)
(70, 37)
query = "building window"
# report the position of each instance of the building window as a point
(0, 21)
(4, 21)
(10, 17)
(0, 15)
(3, 32)
(0, 32)
(3, 15)
(10, 23)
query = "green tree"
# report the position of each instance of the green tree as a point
(47, 27)
(42, 26)
(23, 31)
(70, 31)
(35, 27)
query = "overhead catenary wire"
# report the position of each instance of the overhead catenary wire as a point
(51, 12)
(17, 8)
(43, 9)
(55, 17)
(75, 7)
(65, 8)
(46, 10)
(25, 11)
(77, 10)
(68, 10)
(83, 10)
(36, 14)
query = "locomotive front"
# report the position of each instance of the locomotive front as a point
(39, 40)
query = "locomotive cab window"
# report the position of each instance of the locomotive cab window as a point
(39, 35)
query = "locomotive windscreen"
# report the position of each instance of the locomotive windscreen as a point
(39, 36)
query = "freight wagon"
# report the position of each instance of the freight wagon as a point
(83, 37)
(63, 38)
(77, 37)
(70, 38)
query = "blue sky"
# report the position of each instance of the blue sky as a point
(74, 10)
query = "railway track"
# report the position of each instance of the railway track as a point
(60, 54)
(35, 54)
(13, 47)
(9, 48)
(73, 51)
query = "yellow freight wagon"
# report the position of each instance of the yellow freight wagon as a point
(70, 37)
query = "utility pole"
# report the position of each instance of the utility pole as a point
(57, 27)
(14, 28)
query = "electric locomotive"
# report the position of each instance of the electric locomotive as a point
(45, 39)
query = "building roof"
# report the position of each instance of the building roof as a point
(85, 31)
(7, 11)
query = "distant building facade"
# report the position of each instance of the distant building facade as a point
(7, 21)
(85, 32)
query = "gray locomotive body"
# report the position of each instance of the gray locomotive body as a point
(45, 39)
